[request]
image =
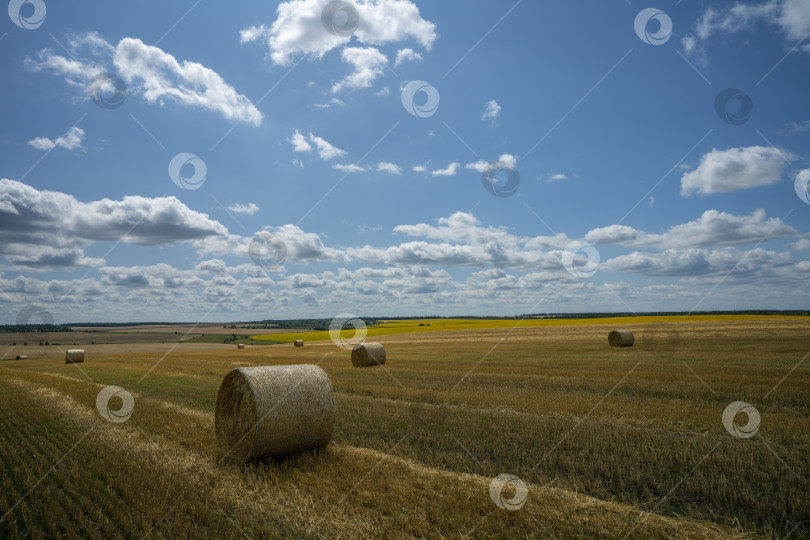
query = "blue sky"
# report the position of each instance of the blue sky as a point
(635, 187)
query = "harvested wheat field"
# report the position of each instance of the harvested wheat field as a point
(608, 442)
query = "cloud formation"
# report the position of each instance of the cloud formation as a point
(735, 169)
(790, 17)
(155, 75)
(492, 110)
(450, 170)
(388, 167)
(407, 55)
(72, 140)
(712, 229)
(247, 209)
(326, 150)
(51, 229)
(368, 65)
(298, 28)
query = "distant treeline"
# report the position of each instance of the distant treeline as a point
(114, 324)
(31, 328)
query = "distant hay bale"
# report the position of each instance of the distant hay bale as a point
(299, 342)
(240, 346)
(621, 338)
(368, 354)
(74, 356)
(274, 410)
(22, 357)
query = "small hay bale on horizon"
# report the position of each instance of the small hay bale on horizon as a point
(270, 411)
(368, 354)
(74, 356)
(298, 343)
(621, 338)
(240, 345)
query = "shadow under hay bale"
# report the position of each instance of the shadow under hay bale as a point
(368, 354)
(621, 338)
(270, 411)
(74, 356)
(299, 343)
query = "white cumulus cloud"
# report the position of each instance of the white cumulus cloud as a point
(50, 228)
(72, 140)
(388, 167)
(368, 65)
(326, 150)
(159, 77)
(348, 168)
(450, 170)
(790, 17)
(492, 110)
(723, 171)
(407, 55)
(713, 229)
(298, 28)
(247, 209)
(150, 72)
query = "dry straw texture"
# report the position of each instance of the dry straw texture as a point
(274, 410)
(240, 346)
(621, 338)
(368, 354)
(299, 342)
(74, 356)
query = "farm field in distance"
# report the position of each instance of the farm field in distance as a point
(407, 326)
(611, 442)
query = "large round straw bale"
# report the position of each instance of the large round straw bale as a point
(299, 343)
(274, 410)
(240, 345)
(74, 356)
(368, 354)
(621, 338)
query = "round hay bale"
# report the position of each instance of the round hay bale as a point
(22, 357)
(621, 338)
(368, 354)
(273, 410)
(240, 345)
(299, 342)
(74, 356)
